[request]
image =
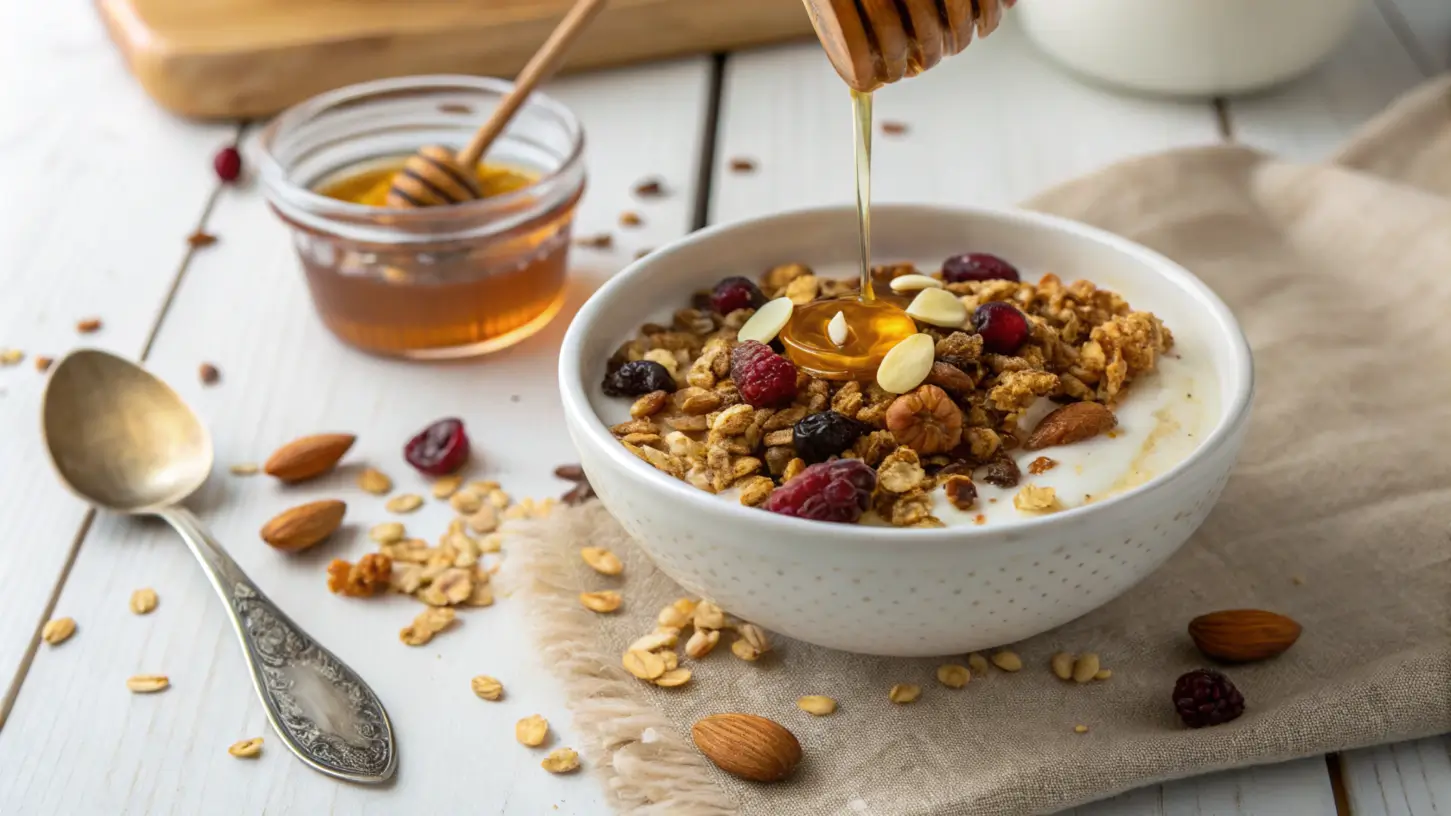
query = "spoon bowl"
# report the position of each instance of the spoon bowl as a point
(119, 437)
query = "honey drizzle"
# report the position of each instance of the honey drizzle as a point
(861, 108)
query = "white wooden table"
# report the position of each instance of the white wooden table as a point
(103, 188)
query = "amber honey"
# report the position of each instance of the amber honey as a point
(450, 297)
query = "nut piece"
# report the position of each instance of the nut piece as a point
(1085, 668)
(938, 307)
(747, 746)
(246, 748)
(486, 687)
(642, 664)
(1007, 661)
(978, 664)
(308, 457)
(532, 730)
(364, 579)
(561, 760)
(1071, 423)
(904, 693)
(960, 490)
(1062, 665)
(404, 503)
(375, 481)
(701, 642)
(817, 705)
(602, 560)
(303, 526)
(906, 364)
(143, 601)
(148, 683)
(953, 676)
(58, 630)
(1243, 635)
(767, 322)
(603, 602)
(926, 420)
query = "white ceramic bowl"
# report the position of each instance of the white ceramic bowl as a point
(892, 591)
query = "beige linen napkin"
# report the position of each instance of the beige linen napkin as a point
(1339, 515)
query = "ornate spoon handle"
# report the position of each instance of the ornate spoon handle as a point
(322, 709)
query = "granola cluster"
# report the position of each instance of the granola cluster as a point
(1082, 344)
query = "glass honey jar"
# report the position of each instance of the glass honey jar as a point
(439, 282)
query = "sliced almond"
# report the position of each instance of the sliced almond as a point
(913, 283)
(602, 602)
(816, 705)
(836, 329)
(938, 307)
(767, 322)
(602, 560)
(906, 364)
(147, 683)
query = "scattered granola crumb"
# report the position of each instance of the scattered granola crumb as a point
(603, 240)
(58, 630)
(1035, 499)
(892, 128)
(244, 469)
(640, 253)
(743, 165)
(1041, 465)
(43, 363)
(209, 374)
(455, 107)
(486, 687)
(143, 601)
(570, 473)
(200, 239)
(89, 326)
(979, 519)
(9, 357)
(375, 481)
(1080, 729)
(1297, 580)
(364, 579)
(650, 188)
(630, 218)
(246, 748)
(1103, 674)
(561, 760)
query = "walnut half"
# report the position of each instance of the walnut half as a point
(925, 420)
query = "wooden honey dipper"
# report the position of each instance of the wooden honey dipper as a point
(435, 175)
(872, 43)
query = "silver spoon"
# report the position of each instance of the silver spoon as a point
(122, 440)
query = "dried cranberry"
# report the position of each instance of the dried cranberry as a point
(1003, 328)
(763, 377)
(441, 448)
(736, 293)
(977, 266)
(837, 491)
(638, 377)
(1206, 697)
(818, 437)
(228, 164)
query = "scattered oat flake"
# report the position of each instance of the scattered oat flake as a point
(1007, 661)
(650, 188)
(892, 128)
(208, 374)
(89, 325)
(904, 693)
(387, 532)
(953, 675)
(404, 503)
(1297, 580)
(486, 687)
(603, 240)
(42, 363)
(1041, 465)
(148, 683)
(642, 664)
(143, 601)
(11, 356)
(246, 748)
(561, 760)
(58, 630)
(743, 165)
(978, 664)
(673, 678)
(816, 705)
(447, 486)
(200, 239)
(602, 560)
(602, 602)
(244, 469)
(532, 730)
(1080, 729)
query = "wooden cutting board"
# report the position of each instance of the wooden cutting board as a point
(244, 58)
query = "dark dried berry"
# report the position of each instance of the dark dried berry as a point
(837, 491)
(977, 266)
(1205, 697)
(440, 449)
(228, 164)
(763, 377)
(1004, 329)
(736, 293)
(1003, 472)
(637, 378)
(570, 473)
(818, 437)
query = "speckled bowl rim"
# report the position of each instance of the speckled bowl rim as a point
(1234, 411)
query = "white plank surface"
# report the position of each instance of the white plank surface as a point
(101, 190)
(78, 742)
(1428, 22)
(1308, 118)
(1406, 779)
(992, 125)
(1288, 789)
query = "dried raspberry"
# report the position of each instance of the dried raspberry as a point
(637, 378)
(839, 491)
(1206, 697)
(228, 164)
(440, 449)
(820, 436)
(736, 293)
(977, 266)
(763, 377)
(1003, 328)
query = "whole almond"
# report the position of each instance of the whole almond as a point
(747, 746)
(302, 526)
(1243, 635)
(1071, 423)
(308, 457)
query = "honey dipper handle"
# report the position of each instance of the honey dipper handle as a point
(540, 66)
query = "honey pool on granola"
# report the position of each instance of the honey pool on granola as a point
(1012, 400)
